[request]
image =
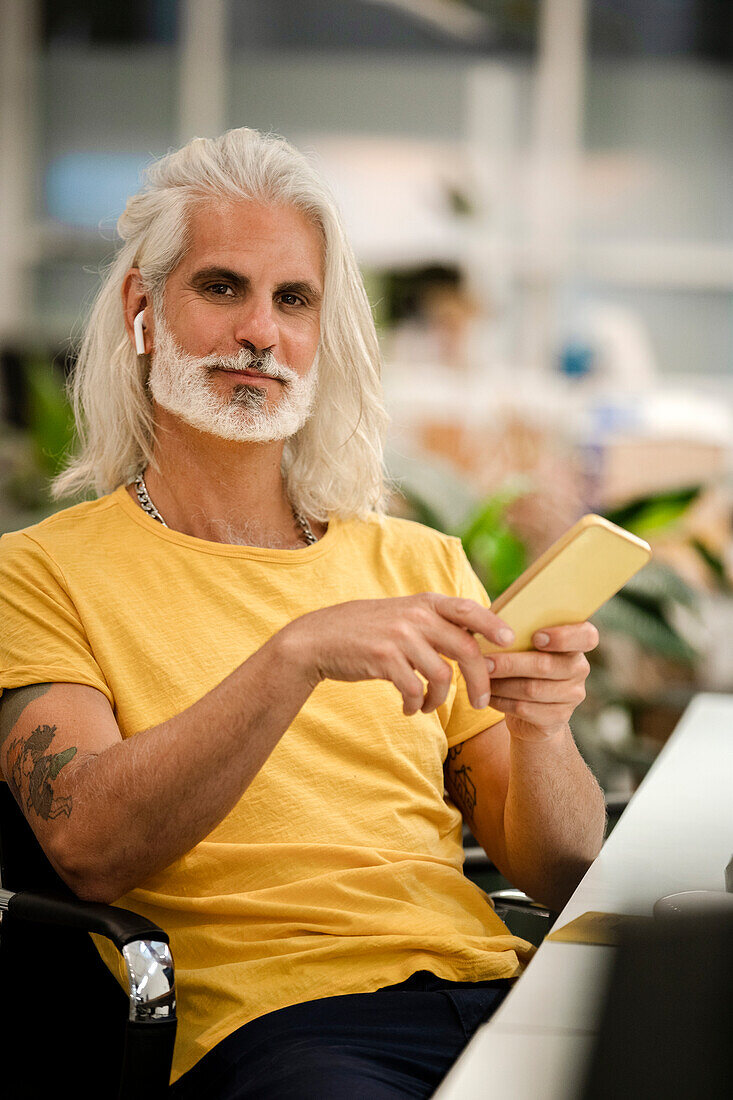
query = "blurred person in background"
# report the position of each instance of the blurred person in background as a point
(201, 660)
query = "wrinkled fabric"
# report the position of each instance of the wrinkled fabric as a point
(339, 870)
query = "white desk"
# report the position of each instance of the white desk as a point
(676, 834)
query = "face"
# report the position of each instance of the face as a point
(236, 336)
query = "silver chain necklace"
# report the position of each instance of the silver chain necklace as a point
(147, 506)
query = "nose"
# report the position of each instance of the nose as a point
(256, 326)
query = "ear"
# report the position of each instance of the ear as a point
(137, 311)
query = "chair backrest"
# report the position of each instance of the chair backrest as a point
(23, 863)
(60, 1008)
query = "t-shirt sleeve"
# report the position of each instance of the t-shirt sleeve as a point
(42, 637)
(465, 721)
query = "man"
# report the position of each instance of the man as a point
(212, 649)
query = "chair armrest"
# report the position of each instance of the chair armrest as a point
(519, 901)
(151, 1026)
(523, 917)
(121, 926)
(510, 900)
(142, 943)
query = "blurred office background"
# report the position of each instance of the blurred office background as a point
(538, 192)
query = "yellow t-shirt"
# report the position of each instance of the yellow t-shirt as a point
(340, 868)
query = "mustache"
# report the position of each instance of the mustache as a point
(260, 362)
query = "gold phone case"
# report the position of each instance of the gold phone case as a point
(570, 581)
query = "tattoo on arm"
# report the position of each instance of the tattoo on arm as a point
(31, 768)
(460, 785)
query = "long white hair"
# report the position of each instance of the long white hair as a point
(334, 464)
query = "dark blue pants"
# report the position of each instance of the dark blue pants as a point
(400, 1040)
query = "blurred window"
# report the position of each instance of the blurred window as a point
(655, 209)
(654, 221)
(89, 189)
(659, 155)
(661, 28)
(108, 22)
(92, 147)
(354, 25)
(690, 332)
(626, 28)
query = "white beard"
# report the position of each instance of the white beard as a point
(182, 384)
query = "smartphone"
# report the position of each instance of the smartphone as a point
(569, 582)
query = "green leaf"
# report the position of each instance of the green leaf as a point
(658, 582)
(498, 559)
(432, 489)
(654, 513)
(488, 516)
(714, 563)
(651, 632)
(51, 423)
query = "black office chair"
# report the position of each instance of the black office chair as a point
(66, 1025)
(65, 1020)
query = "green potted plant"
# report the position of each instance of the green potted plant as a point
(32, 457)
(642, 619)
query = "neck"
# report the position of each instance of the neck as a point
(219, 490)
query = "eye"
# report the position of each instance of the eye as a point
(220, 290)
(288, 299)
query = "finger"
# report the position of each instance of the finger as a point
(563, 692)
(434, 669)
(543, 666)
(408, 684)
(582, 637)
(472, 616)
(542, 715)
(461, 646)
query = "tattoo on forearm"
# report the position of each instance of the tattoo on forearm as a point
(461, 787)
(31, 770)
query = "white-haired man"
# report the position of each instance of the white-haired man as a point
(267, 708)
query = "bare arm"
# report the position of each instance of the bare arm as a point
(522, 785)
(554, 817)
(111, 812)
(535, 808)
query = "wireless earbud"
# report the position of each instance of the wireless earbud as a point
(137, 326)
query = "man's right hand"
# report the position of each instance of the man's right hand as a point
(114, 812)
(392, 639)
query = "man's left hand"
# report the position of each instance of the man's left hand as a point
(538, 691)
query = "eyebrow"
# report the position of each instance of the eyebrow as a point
(296, 286)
